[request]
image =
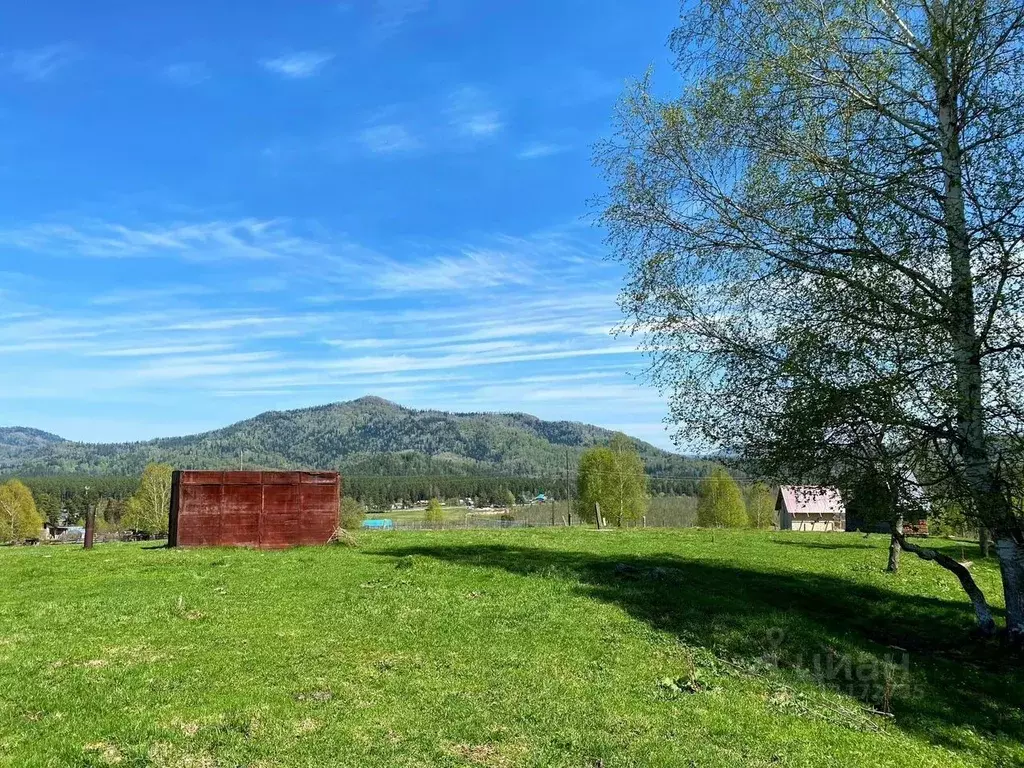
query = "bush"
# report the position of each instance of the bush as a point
(352, 514)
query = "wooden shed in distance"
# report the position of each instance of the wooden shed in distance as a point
(810, 508)
(268, 510)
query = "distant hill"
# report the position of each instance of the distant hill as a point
(367, 436)
(20, 444)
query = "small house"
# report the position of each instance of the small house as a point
(53, 532)
(810, 508)
(65, 534)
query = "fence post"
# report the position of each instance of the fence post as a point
(90, 526)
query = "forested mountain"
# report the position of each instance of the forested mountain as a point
(369, 436)
(20, 444)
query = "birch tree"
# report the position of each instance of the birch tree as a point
(19, 519)
(149, 509)
(614, 477)
(720, 502)
(823, 231)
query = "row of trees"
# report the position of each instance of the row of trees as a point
(26, 505)
(67, 498)
(380, 493)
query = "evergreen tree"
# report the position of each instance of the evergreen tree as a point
(48, 506)
(434, 512)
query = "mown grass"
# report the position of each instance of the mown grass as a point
(500, 648)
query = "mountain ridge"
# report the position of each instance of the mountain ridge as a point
(368, 435)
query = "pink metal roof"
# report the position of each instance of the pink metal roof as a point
(812, 500)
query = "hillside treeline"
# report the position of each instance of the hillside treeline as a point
(369, 436)
(68, 497)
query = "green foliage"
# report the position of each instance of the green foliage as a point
(48, 506)
(434, 512)
(760, 506)
(19, 519)
(950, 520)
(74, 494)
(613, 477)
(352, 514)
(510, 499)
(148, 510)
(594, 483)
(720, 502)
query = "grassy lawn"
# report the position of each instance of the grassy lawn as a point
(500, 648)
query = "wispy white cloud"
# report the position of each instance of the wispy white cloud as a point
(39, 63)
(389, 138)
(203, 241)
(473, 269)
(495, 322)
(298, 65)
(150, 296)
(389, 16)
(158, 351)
(539, 150)
(187, 73)
(473, 115)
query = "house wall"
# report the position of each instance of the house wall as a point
(788, 522)
(815, 525)
(269, 510)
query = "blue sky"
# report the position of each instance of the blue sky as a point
(215, 209)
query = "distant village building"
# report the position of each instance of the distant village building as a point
(63, 533)
(810, 508)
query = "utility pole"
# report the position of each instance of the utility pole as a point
(568, 488)
(619, 451)
(90, 520)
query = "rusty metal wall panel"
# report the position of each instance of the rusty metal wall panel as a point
(256, 509)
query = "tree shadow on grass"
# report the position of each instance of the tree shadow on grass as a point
(845, 543)
(803, 622)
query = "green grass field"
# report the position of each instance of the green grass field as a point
(500, 648)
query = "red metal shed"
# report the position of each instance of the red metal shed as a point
(270, 510)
